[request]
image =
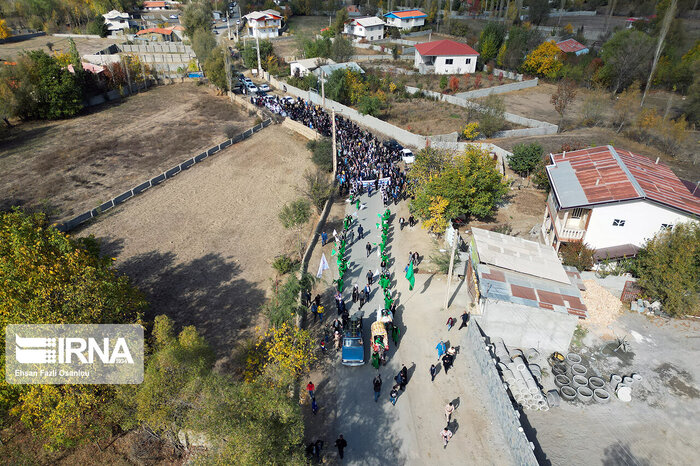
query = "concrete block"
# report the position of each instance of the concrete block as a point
(122, 197)
(172, 172)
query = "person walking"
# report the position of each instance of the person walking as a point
(402, 222)
(394, 394)
(360, 232)
(447, 361)
(433, 372)
(368, 248)
(320, 312)
(449, 409)
(404, 376)
(395, 333)
(314, 310)
(311, 387)
(446, 435)
(355, 293)
(324, 238)
(440, 349)
(370, 276)
(450, 323)
(368, 291)
(341, 444)
(314, 406)
(363, 298)
(377, 384)
(399, 381)
(465, 320)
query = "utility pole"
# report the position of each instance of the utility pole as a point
(228, 25)
(449, 273)
(257, 48)
(335, 151)
(228, 72)
(323, 88)
(665, 25)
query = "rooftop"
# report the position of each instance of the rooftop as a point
(604, 174)
(313, 63)
(265, 14)
(153, 4)
(444, 47)
(406, 14)
(331, 67)
(368, 21)
(163, 31)
(570, 45)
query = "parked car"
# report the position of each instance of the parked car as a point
(172, 16)
(264, 87)
(252, 88)
(353, 353)
(247, 80)
(393, 145)
(289, 99)
(407, 156)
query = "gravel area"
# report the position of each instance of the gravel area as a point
(603, 307)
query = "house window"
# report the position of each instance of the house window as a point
(578, 213)
(618, 223)
(469, 60)
(666, 226)
(448, 61)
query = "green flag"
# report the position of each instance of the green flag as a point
(333, 252)
(410, 277)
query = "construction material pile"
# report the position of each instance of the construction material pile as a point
(603, 307)
(523, 379)
(570, 377)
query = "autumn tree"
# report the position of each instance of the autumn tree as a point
(544, 60)
(215, 68)
(668, 267)
(626, 107)
(626, 58)
(454, 84)
(5, 31)
(562, 97)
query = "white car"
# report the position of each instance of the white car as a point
(252, 88)
(264, 88)
(408, 156)
(172, 16)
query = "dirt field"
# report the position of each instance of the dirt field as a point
(428, 117)
(69, 166)
(201, 245)
(310, 25)
(85, 46)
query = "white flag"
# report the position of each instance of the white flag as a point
(322, 266)
(376, 273)
(335, 233)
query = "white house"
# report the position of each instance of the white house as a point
(405, 19)
(303, 67)
(445, 57)
(612, 200)
(116, 21)
(369, 28)
(524, 294)
(263, 24)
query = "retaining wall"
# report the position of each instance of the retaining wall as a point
(158, 179)
(78, 36)
(417, 33)
(502, 89)
(500, 406)
(508, 74)
(297, 127)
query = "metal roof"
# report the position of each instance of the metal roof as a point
(571, 45)
(519, 255)
(330, 68)
(444, 47)
(406, 14)
(369, 21)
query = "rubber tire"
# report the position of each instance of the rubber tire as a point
(596, 383)
(573, 358)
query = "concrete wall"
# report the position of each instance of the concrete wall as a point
(508, 74)
(297, 127)
(527, 327)
(642, 220)
(499, 404)
(502, 89)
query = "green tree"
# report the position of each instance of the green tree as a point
(521, 41)
(525, 158)
(341, 16)
(538, 11)
(215, 68)
(341, 50)
(668, 267)
(318, 188)
(626, 57)
(578, 255)
(369, 105)
(196, 16)
(322, 153)
(470, 183)
(295, 213)
(490, 40)
(492, 115)
(539, 175)
(98, 27)
(443, 83)
(692, 102)
(203, 44)
(50, 278)
(250, 56)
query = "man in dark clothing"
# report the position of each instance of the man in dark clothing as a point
(404, 376)
(377, 384)
(370, 275)
(465, 320)
(433, 372)
(341, 443)
(360, 232)
(447, 360)
(368, 247)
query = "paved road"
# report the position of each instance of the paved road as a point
(408, 433)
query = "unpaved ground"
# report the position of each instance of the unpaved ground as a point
(85, 46)
(201, 246)
(70, 166)
(659, 425)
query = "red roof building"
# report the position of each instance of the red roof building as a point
(445, 47)
(445, 57)
(154, 5)
(572, 46)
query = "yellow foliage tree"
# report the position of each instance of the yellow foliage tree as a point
(544, 60)
(356, 88)
(471, 131)
(283, 353)
(4, 29)
(437, 223)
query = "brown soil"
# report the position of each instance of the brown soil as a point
(67, 167)
(84, 45)
(201, 246)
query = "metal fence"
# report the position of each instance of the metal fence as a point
(158, 179)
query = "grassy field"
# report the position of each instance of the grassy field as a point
(308, 25)
(68, 166)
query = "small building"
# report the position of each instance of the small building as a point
(217, 15)
(572, 46)
(157, 35)
(612, 200)
(153, 6)
(303, 67)
(326, 70)
(523, 293)
(445, 57)
(263, 24)
(405, 19)
(353, 10)
(366, 28)
(116, 21)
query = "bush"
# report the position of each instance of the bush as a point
(97, 27)
(492, 117)
(319, 188)
(441, 259)
(230, 131)
(593, 110)
(369, 105)
(443, 83)
(504, 229)
(295, 213)
(322, 153)
(285, 264)
(525, 158)
(578, 255)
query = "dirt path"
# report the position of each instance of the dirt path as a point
(69, 166)
(201, 245)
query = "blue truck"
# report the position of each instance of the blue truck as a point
(353, 353)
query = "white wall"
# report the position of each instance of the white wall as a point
(296, 66)
(458, 65)
(642, 220)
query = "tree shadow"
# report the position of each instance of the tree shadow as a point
(619, 453)
(208, 292)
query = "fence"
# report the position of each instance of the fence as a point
(78, 36)
(158, 179)
(508, 74)
(499, 403)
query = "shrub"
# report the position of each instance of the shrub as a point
(443, 82)
(319, 188)
(578, 255)
(441, 259)
(470, 131)
(230, 131)
(369, 105)
(285, 264)
(295, 213)
(322, 153)
(592, 113)
(492, 118)
(504, 229)
(525, 158)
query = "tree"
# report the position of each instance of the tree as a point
(692, 103)
(539, 175)
(319, 188)
(98, 27)
(250, 55)
(341, 16)
(204, 43)
(490, 40)
(469, 182)
(215, 68)
(562, 97)
(668, 267)
(454, 84)
(538, 11)
(443, 83)
(369, 105)
(295, 213)
(544, 60)
(626, 107)
(626, 58)
(322, 153)
(341, 50)
(525, 158)
(51, 278)
(5, 31)
(196, 16)
(578, 255)
(492, 115)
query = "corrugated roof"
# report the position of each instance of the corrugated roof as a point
(518, 254)
(444, 47)
(330, 68)
(605, 174)
(406, 14)
(163, 31)
(369, 21)
(570, 45)
(153, 4)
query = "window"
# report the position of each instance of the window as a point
(469, 60)
(448, 61)
(577, 213)
(666, 226)
(618, 223)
